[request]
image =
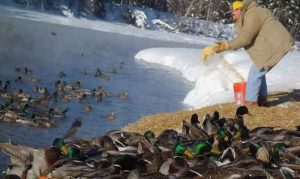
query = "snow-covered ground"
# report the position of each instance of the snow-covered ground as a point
(214, 80)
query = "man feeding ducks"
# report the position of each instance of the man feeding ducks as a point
(264, 38)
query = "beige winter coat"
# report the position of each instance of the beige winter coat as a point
(262, 35)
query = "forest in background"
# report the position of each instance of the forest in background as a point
(189, 12)
(287, 11)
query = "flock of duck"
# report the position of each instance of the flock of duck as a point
(36, 107)
(215, 147)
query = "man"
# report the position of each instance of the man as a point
(265, 40)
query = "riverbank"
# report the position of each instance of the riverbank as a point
(283, 112)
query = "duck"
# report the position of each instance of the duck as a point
(85, 72)
(167, 140)
(88, 108)
(27, 70)
(62, 74)
(114, 70)
(122, 65)
(219, 122)
(99, 97)
(240, 112)
(101, 91)
(208, 125)
(128, 141)
(111, 116)
(149, 162)
(34, 79)
(178, 167)
(192, 150)
(19, 79)
(106, 76)
(4, 89)
(104, 142)
(195, 120)
(29, 162)
(20, 95)
(71, 87)
(7, 82)
(193, 131)
(17, 69)
(98, 72)
(9, 116)
(59, 85)
(123, 95)
(57, 112)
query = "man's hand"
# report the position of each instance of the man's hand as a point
(210, 50)
(221, 46)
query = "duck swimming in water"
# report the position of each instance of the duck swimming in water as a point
(62, 74)
(19, 80)
(27, 71)
(88, 108)
(111, 116)
(123, 95)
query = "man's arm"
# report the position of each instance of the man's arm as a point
(249, 31)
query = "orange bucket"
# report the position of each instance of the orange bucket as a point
(239, 93)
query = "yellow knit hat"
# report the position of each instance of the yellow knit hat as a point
(237, 5)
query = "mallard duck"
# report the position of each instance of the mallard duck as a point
(9, 116)
(19, 79)
(20, 95)
(209, 126)
(104, 142)
(57, 112)
(127, 141)
(193, 132)
(72, 87)
(106, 76)
(59, 85)
(88, 108)
(111, 116)
(123, 95)
(192, 149)
(167, 140)
(27, 70)
(61, 74)
(17, 69)
(195, 119)
(176, 166)
(240, 112)
(114, 70)
(149, 162)
(34, 79)
(29, 161)
(98, 72)
(99, 97)
(122, 65)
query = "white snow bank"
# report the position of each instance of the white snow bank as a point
(214, 80)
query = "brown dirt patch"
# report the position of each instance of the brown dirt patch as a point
(283, 112)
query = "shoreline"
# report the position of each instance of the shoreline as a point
(280, 114)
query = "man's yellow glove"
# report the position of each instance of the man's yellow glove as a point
(221, 46)
(207, 52)
(210, 50)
